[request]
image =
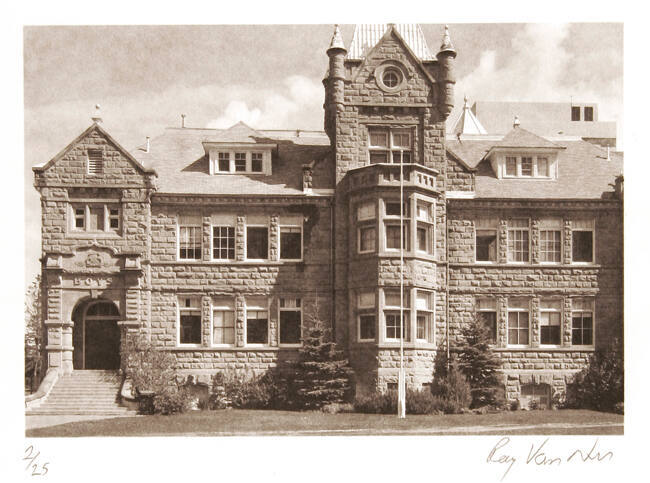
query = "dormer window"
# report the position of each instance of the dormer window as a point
(527, 167)
(229, 160)
(224, 162)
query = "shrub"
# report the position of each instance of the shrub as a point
(377, 403)
(417, 402)
(600, 385)
(148, 367)
(172, 400)
(453, 388)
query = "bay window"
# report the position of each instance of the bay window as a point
(424, 303)
(366, 318)
(366, 227)
(392, 322)
(392, 225)
(425, 227)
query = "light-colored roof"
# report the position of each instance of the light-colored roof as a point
(518, 137)
(240, 133)
(467, 123)
(366, 36)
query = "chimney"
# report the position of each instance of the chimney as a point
(148, 144)
(97, 116)
(516, 122)
(182, 120)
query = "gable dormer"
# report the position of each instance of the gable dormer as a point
(239, 150)
(524, 155)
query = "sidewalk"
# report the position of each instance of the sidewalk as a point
(37, 421)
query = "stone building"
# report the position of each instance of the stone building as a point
(220, 245)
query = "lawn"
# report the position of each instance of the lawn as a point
(252, 422)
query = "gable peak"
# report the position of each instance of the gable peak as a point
(366, 36)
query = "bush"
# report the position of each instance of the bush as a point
(246, 391)
(453, 388)
(172, 400)
(377, 403)
(417, 402)
(148, 367)
(600, 385)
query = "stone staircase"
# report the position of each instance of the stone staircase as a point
(87, 392)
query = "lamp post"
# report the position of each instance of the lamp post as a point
(401, 382)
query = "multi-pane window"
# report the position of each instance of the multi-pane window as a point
(550, 316)
(582, 321)
(257, 321)
(392, 225)
(257, 242)
(223, 242)
(424, 303)
(424, 229)
(189, 238)
(542, 167)
(256, 162)
(550, 240)
(511, 166)
(518, 322)
(393, 324)
(189, 323)
(540, 393)
(486, 239)
(389, 145)
(290, 243)
(240, 162)
(223, 162)
(95, 161)
(223, 322)
(487, 311)
(582, 235)
(366, 227)
(290, 320)
(518, 240)
(526, 166)
(366, 310)
(96, 217)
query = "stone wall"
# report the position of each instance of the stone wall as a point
(459, 178)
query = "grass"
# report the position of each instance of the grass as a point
(258, 422)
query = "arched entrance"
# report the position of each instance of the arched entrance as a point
(96, 335)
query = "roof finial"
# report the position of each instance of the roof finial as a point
(337, 40)
(446, 41)
(515, 123)
(465, 102)
(97, 116)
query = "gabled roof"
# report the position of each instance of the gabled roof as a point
(518, 137)
(467, 122)
(98, 128)
(366, 36)
(239, 133)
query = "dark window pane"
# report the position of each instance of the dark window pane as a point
(550, 334)
(290, 244)
(589, 113)
(224, 161)
(257, 328)
(490, 321)
(378, 157)
(257, 242)
(422, 239)
(575, 113)
(190, 329)
(367, 239)
(367, 327)
(486, 246)
(240, 161)
(256, 162)
(583, 246)
(406, 157)
(289, 327)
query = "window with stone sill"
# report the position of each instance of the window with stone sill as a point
(550, 322)
(550, 240)
(424, 303)
(519, 240)
(189, 321)
(366, 227)
(257, 242)
(392, 225)
(223, 322)
(95, 217)
(290, 321)
(425, 227)
(223, 242)
(486, 239)
(366, 316)
(291, 242)
(257, 321)
(518, 322)
(190, 234)
(487, 311)
(582, 236)
(582, 322)
(389, 145)
(393, 325)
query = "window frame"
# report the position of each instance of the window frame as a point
(510, 229)
(394, 310)
(220, 306)
(251, 307)
(484, 225)
(592, 229)
(366, 223)
(290, 226)
(180, 309)
(106, 207)
(268, 240)
(392, 148)
(485, 305)
(394, 220)
(428, 225)
(592, 305)
(369, 310)
(298, 306)
(430, 329)
(547, 225)
(550, 310)
(518, 310)
(212, 242)
(518, 160)
(179, 227)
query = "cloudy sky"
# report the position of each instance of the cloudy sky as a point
(269, 76)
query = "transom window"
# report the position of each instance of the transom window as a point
(518, 240)
(388, 145)
(95, 161)
(582, 321)
(189, 313)
(518, 322)
(96, 217)
(223, 322)
(290, 321)
(257, 321)
(550, 316)
(582, 235)
(424, 303)
(223, 242)
(366, 318)
(550, 240)
(487, 311)
(486, 239)
(392, 315)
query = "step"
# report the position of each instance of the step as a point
(125, 412)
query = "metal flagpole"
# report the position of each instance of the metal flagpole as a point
(401, 383)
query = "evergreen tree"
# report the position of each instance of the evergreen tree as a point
(478, 362)
(322, 374)
(34, 335)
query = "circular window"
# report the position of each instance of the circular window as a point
(391, 78)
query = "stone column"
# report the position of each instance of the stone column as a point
(59, 345)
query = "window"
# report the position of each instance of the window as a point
(95, 161)
(389, 145)
(518, 322)
(424, 230)
(487, 311)
(223, 322)
(550, 316)
(257, 242)
(366, 228)
(589, 113)
(256, 162)
(96, 217)
(392, 225)
(511, 166)
(518, 240)
(582, 322)
(223, 163)
(540, 393)
(257, 321)
(391, 78)
(366, 316)
(240, 162)
(189, 237)
(550, 240)
(582, 236)
(223, 242)
(424, 318)
(392, 315)
(575, 113)
(486, 239)
(542, 167)
(290, 321)
(291, 242)
(189, 314)
(526, 166)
